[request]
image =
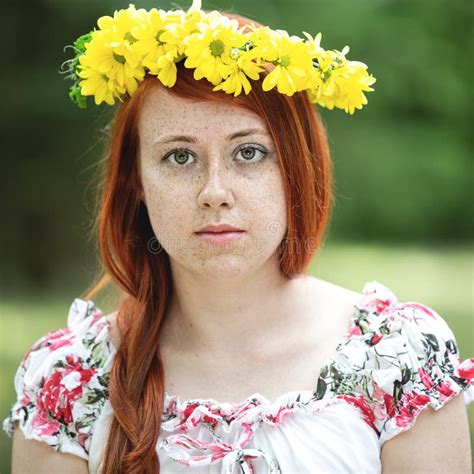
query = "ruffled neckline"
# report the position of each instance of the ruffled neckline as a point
(376, 298)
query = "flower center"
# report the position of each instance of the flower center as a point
(217, 47)
(130, 38)
(119, 58)
(326, 74)
(284, 61)
(157, 37)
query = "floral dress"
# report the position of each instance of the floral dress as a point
(396, 360)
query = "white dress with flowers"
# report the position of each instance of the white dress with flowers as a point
(396, 360)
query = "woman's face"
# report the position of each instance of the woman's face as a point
(195, 173)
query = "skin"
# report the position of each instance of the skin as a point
(225, 297)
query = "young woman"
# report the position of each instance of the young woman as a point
(223, 354)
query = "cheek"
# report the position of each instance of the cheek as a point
(267, 206)
(167, 206)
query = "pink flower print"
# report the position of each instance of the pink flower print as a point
(355, 331)
(380, 411)
(282, 413)
(25, 400)
(213, 418)
(187, 412)
(44, 425)
(421, 307)
(444, 390)
(375, 339)
(60, 338)
(466, 369)
(360, 403)
(62, 388)
(96, 316)
(425, 378)
(411, 403)
(50, 340)
(381, 305)
(390, 404)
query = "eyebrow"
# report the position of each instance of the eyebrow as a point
(191, 139)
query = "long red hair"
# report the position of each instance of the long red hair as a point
(136, 384)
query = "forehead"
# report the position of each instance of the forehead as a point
(165, 112)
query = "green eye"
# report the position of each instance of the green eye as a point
(248, 152)
(181, 156)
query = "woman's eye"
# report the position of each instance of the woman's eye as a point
(181, 156)
(249, 152)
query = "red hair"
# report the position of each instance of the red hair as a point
(136, 385)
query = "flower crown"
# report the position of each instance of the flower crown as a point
(110, 61)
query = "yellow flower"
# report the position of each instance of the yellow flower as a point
(109, 66)
(340, 83)
(242, 67)
(180, 26)
(166, 68)
(314, 44)
(292, 62)
(100, 86)
(147, 34)
(123, 20)
(208, 51)
(109, 61)
(152, 47)
(116, 32)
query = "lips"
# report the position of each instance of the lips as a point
(220, 238)
(219, 229)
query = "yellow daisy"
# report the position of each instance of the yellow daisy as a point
(100, 86)
(292, 62)
(208, 51)
(337, 82)
(100, 60)
(151, 45)
(242, 67)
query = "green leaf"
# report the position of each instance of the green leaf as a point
(76, 96)
(321, 388)
(432, 340)
(80, 43)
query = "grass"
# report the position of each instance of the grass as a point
(438, 277)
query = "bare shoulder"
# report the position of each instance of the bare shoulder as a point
(29, 452)
(438, 442)
(334, 294)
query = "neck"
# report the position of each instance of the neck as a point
(229, 314)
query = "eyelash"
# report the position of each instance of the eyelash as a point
(239, 149)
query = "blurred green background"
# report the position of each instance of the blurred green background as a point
(403, 165)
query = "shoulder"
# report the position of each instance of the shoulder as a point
(399, 359)
(332, 290)
(334, 303)
(438, 442)
(410, 358)
(61, 383)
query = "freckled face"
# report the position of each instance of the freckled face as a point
(210, 178)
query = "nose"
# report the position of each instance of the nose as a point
(215, 192)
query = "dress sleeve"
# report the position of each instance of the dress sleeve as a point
(61, 383)
(430, 371)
